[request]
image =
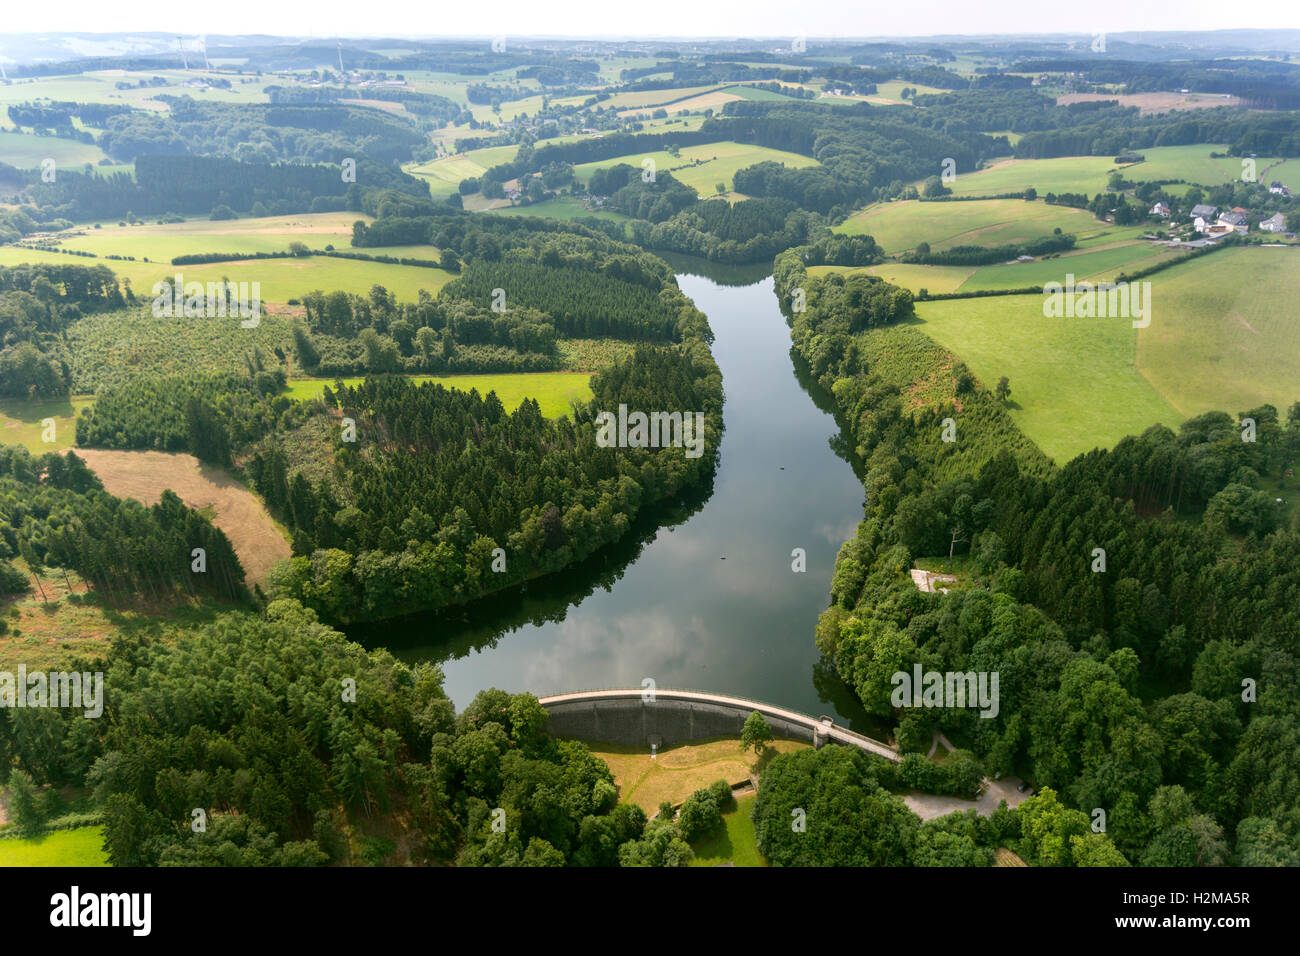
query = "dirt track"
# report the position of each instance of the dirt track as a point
(144, 475)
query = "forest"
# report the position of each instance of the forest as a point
(541, 491)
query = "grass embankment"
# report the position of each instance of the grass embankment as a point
(677, 772)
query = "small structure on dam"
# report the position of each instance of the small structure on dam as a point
(660, 718)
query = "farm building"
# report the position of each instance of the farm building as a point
(1274, 223)
(1234, 220)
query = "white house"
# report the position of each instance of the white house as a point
(1203, 217)
(1160, 209)
(1274, 223)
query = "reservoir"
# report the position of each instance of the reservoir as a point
(702, 597)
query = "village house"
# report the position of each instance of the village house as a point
(1160, 209)
(1234, 221)
(1277, 189)
(1203, 216)
(1274, 223)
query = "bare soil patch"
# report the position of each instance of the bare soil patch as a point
(144, 475)
(1155, 102)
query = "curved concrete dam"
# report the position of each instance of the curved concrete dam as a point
(638, 717)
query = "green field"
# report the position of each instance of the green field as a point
(900, 226)
(101, 87)
(718, 163)
(735, 842)
(758, 95)
(1104, 263)
(1226, 332)
(1074, 382)
(1224, 335)
(563, 207)
(281, 279)
(157, 243)
(1088, 174)
(1094, 264)
(444, 175)
(1067, 174)
(28, 152)
(21, 422)
(83, 846)
(1194, 164)
(554, 391)
(930, 278)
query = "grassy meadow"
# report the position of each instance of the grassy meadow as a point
(22, 422)
(562, 207)
(1223, 336)
(1075, 384)
(1225, 332)
(28, 152)
(554, 391)
(1088, 174)
(900, 226)
(281, 279)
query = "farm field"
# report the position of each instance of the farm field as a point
(444, 175)
(281, 279)
(1097, 264)
(714, 100)
(931, 278)
(677, 772)
(1226, 334)
(900, 226)
(1094, 264)
(562, 207)
(145, 475)
(267, 234)
(83, 846)
(644, 99)
(1223, 336)
(1149, 103)
(28, 152)
(735, 843)
(100, 86)
(554, 391)
(1194, 164)
(1075, 385)
(718, 163)
(1087, 174)
(1066, 174)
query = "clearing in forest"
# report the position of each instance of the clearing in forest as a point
(145, 475)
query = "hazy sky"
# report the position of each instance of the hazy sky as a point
(722, 18)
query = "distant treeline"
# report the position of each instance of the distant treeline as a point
(198, 184)
(1264, 84)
